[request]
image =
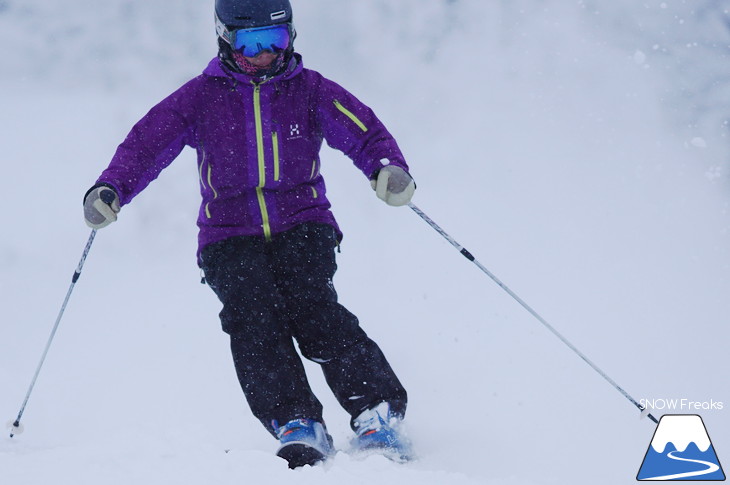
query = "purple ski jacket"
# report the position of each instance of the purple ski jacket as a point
(257, 145)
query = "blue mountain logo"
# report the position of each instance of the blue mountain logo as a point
(681, 450)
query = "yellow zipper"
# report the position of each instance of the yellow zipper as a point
(350, 115)
(210, 184)
(261, 161)
(275, 143)
(200, 171)
(215, 192)
(314, 170)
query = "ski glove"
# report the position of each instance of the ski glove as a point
(101, 206)
(393, 185)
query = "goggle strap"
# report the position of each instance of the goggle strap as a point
(222, 30)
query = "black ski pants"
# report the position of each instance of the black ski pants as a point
(279, 290)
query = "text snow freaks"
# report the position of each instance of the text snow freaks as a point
(681, 405)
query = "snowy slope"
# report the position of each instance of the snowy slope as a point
(538, 138)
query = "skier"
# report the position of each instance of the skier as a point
(257, 119)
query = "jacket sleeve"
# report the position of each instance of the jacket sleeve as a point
(351, 127)
(152, 144)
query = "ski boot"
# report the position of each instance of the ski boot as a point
(303, 442)
(378, 430)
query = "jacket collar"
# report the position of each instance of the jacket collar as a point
(216, 68)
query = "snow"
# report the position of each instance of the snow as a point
(569, 148)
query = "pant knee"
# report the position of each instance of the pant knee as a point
(322, 345)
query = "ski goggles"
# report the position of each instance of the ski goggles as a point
(251, 42)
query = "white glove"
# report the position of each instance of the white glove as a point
(101, 206)
(394, 185)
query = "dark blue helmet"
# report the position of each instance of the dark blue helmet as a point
(245, 14)
(235, 15)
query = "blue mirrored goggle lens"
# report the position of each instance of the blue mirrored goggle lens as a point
(250, 42)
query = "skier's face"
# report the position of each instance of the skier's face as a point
(264, 59)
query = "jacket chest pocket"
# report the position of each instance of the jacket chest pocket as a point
(295, 160)
(276, 153)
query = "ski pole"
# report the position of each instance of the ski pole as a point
(470, 257)
(16, 427)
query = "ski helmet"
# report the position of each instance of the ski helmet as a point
(247, 27)
(247, 14)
